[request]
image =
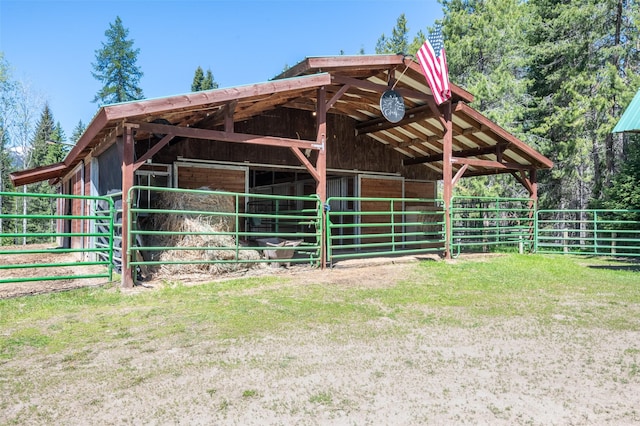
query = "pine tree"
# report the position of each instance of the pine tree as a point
(399, 41)
(584, 61)
(624, 193)
(485, 44)
(198, 78)
(209, 83)
(116, 67)
(44, 152)
(78, 131)
(202, 82)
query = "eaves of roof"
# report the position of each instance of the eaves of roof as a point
(353, 84)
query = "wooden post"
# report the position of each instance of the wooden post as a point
(321, 166)
(533, 207)
(127, 183)
(447, 176)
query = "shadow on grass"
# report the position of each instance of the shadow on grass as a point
(631, 265)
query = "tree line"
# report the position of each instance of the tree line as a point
(557, 74)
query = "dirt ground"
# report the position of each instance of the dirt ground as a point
(499, 372)
(348, 269)
(50, 257)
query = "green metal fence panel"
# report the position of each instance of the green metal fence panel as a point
(202, 227)
(594, 232)
(363, 226)
(30, 251)
(491, 223)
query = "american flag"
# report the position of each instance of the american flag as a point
(434, 66)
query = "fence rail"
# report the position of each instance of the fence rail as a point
(361, 227)
(25, 236)
(491, 223)
(183, 228)
(201, 227)
(589, 232)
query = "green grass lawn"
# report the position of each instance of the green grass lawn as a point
(487, 340)
(584, 291)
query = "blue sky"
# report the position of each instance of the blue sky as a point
(51, 43)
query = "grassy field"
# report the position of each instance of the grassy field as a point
(502, 339)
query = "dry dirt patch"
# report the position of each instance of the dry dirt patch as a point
(51, 257)
(386, 371)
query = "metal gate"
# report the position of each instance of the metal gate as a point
(366, 227)
(70, 238)
(589, 232)
(483, 224)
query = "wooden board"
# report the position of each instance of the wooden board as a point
(217, 179)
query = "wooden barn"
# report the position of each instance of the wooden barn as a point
(318, 128)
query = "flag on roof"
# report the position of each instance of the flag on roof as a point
(434, 66)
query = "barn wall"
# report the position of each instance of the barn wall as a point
(416, 189)
(376, 187)
(345, 150)
(224, 179)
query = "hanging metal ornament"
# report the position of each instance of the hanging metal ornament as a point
(392, 106)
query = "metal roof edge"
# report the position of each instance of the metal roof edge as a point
(630, 119)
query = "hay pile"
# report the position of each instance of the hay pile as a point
(196, 225)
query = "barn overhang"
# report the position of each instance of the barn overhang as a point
(352, 86)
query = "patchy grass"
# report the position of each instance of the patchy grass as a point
(331, 345)
(585, 292)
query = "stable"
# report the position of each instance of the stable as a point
(343, 126)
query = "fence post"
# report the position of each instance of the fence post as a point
(565, 238)
(613, 242)
(595, 232)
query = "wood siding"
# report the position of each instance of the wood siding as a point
(380, 188)
(345, 149)
(195, 176)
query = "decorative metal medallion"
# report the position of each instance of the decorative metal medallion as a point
(392, 106)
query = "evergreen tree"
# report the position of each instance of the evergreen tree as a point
(202, 81)
(198, 78)
(209, 82)
(584, 61)
(485, 43)
(399, 40)
(44, 152)
(78, 131)
(116, 67)
(624, 193)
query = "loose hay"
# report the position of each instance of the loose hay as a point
(197, 226)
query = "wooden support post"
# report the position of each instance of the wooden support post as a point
(321, 165)
(447, 176)
(127, 183)
(533, 206)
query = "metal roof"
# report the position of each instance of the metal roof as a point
(353, 87)
(630, 120)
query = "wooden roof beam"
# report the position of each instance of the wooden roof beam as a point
(489, 164)
(416, 114)
(542, 161)
(419, 141)
(473, 152)
(216, 135)
(215, 97)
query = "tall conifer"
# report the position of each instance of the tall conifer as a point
(116, 67)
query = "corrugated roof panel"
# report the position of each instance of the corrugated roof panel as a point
(630, 120)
